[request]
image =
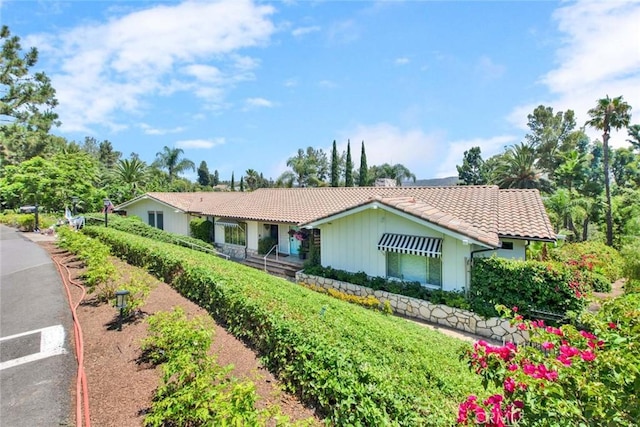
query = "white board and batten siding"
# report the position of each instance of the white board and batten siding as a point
(351, 243)
(518, 251)
(174, 222)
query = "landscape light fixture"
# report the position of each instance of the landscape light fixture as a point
(107, 203)
(74, 201)
(121, 304)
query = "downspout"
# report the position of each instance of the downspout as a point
(471, 265)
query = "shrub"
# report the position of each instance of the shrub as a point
(631, 255)
(265, 244)
(358, 367)
(530, 285)
(410, 289)
(195, 390)
(135, 226)
(565, 377)
(201, 229)
(590, 256)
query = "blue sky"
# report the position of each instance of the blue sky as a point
(243, 84)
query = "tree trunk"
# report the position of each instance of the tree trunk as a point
(607, 188)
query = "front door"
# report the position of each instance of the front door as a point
(294, 244)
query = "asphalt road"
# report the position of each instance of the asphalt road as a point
(37, 366)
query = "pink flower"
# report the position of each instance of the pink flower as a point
(588, 335)
(588, 355)
(509, 385)
(513, 367)
(522, 326)
(514, 309)
(547, 345)
(613, 325)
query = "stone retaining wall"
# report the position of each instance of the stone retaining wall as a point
(463, 320)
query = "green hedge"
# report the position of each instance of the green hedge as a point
(201, 229)
(409, 289)
(135, 226)
(527, 285)
(356, 366)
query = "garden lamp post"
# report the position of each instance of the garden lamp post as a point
(107, 203)
(121, 304)
(74, 201)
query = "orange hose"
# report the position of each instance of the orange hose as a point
(82, 390)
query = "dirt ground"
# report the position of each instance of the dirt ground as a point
(120, 388)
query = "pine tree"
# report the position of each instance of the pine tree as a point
(363, 177)
(348, 173)
(335, 166)
(215, 178)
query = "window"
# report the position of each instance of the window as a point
(415, 268)
(156, 219)
(507, 245)
(235, 235)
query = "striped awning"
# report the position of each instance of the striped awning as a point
(412, 245)
(228, 223)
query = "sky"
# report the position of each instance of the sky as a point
(244, 84)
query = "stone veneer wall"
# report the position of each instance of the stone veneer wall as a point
(234, 251)
(494, 328)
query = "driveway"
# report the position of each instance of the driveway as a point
(37, 366)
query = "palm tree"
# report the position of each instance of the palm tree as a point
(518, 169)
(131, 172)
(609, 113)
(169, 159)
(399, 172)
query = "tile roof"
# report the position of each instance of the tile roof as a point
(481, 212)
(522, 214)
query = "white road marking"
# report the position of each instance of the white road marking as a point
(51, 344)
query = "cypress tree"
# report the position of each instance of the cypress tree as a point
(242, 183)
(363, 178)
(348, 173)
(233, 183)
(335, 166)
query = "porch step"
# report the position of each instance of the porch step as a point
(278, 267)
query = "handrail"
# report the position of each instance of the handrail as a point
(265, 257)
(204, 249)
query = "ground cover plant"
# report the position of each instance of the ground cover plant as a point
(358, 367)
(195, 389)
(566, 377)
(101, 277)
(410, 289)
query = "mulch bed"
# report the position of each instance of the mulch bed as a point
(120, 388)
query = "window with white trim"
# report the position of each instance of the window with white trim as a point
(415, 268)
(156, 219)
(235, 235)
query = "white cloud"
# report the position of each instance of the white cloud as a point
(200, 143)
(386, 143)
(327, 84)
(150, 130)
(488, 69)
(118, 65)
(258, 103)
(599, 56)
(402, 61)
(291, 82)
(427, 155)
(301, 31)
(456, 149)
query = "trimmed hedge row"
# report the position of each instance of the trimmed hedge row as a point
(527, 285)
(356, 366)
(135, 226)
